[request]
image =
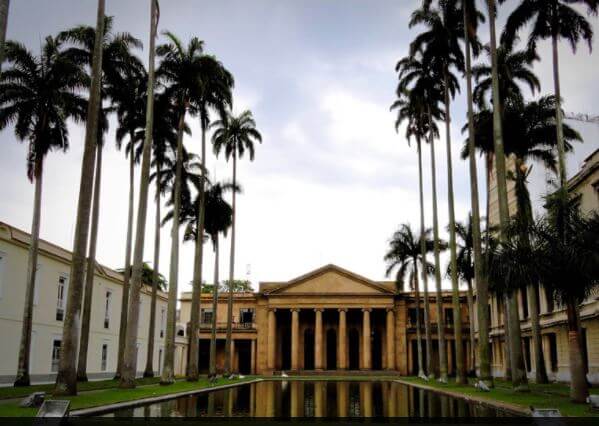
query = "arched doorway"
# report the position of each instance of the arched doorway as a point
(377, 350)
(308, 349)
(354, 349)
(331, 349)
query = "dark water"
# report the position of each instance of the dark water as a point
(315, 399)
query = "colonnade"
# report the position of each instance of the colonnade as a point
(341, 341)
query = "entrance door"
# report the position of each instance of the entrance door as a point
(354, 349)
(309, 349)
(331, 349)
(244, 352)
(377, 350)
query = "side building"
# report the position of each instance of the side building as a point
(553, 320)
(52, 281)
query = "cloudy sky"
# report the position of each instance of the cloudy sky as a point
(332, 179)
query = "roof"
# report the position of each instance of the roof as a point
(52, 250)
(589, 166)
(274, 288)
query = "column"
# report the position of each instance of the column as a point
(294, 399)
(318, 340)
(272, 336)
(233, 369)
(342, 399)
(366, 339)
(342, 344)
(295, 339)
(390, 339)
(253, 357)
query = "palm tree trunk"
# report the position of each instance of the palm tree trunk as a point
(89, 274)
(579, 389)
(149, 371)
(427, 320)
(212, 368)
(418, 325)
(4, 4)
(506, 334)
(168, 371)
(470, 298)
(130, 356)
(439, 301)
(22, 378)
(127, 269)
(540, 371)
(66, 380)
(482, 291)
(228, 354)
(455, 296)
(561, 150)
(192, 369)
(519, 379)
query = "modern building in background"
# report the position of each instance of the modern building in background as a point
(52, 281)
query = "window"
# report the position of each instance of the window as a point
(448, 317)
(206, 316)
(2, 263)
(61, 297)
(500, 311)
(549, 300)
(412, 317)
(160, 360)
(104, 359)
(162, 322)
(107, 309)
(56, 343)
(527, 360)
(246, 315)
(524, 301)
(489, 315)
(553, 357)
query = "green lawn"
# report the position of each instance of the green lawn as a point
(12, 392)
(110, 394)
(555, 395)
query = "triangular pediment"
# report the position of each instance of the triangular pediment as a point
(330, 279)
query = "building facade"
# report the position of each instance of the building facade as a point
(553, 320)
(52, 281)
(328, 319)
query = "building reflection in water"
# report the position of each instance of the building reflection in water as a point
(314, 399)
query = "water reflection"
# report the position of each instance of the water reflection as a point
(315, 399)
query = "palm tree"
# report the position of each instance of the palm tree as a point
(439, 45)
(117, 64)
(472, 45)
(467, 272)
(405, 254)
(417, 77)
(234, 135)
(66, 380)
(569, 253)
(179, 70)
(38, 95)
(4, 4)
(553, 19)
(514, 69)
(213, 93)
(412, 106)
(164, 144)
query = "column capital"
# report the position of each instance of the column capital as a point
(318, 309)
(366, 309)
(295, 309)
(272, 309)
(390, 310)
(342, 309)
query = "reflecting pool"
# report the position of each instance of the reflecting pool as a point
(302, 398)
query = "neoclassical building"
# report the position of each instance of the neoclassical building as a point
(327, 319)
